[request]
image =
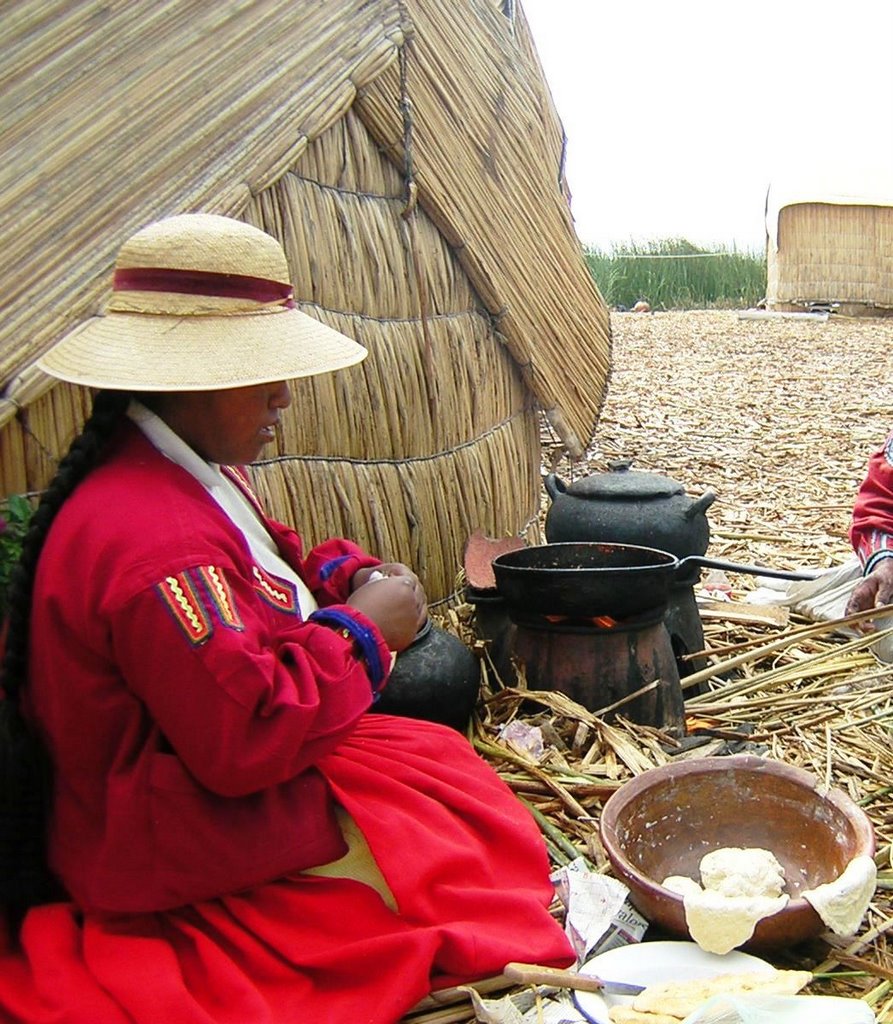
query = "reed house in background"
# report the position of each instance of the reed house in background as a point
(408, 156)
(830, 246)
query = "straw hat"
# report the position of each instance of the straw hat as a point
(200, 303)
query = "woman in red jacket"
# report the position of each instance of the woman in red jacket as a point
(230, 836)
(871, 532)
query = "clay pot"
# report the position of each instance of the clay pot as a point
(437, 678)
(625, 506)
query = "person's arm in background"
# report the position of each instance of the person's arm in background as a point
(871, 532)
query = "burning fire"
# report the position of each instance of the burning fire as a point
(604, 621)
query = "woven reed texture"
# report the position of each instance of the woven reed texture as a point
(422, 510)
(830, 253)
(117, 114)
(452, 257)
(435, 434)
(487, 118)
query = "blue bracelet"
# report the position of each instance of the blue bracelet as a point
(329, 568)
(364, 639)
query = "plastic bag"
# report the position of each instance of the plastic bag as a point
(759, 1008)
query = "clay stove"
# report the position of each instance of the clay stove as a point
(610, 667)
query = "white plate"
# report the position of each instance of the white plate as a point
(645, 963)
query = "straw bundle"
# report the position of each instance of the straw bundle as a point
(115, 116)
(452, 258)
(487, 119)
(832, 254)
(414, 396)
(417, 510)
(31, 444)
(413, 449)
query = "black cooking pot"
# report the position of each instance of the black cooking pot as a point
(625, 506)
(587, 579)
(437, 678)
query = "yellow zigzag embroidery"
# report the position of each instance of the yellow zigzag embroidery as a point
(221, 595)
(279, 593)
(185, 604)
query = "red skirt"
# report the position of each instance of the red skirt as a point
(462, 857)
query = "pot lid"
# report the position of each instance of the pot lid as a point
(621, 482)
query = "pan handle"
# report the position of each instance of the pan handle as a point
(752, 570)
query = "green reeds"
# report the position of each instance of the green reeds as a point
(675, 274)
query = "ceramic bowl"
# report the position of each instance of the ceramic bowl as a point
(663, 821)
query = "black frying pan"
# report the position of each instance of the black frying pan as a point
(585, 579)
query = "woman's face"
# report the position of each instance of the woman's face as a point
(230, 426)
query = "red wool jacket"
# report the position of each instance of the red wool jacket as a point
(182, 697)
(871, 532)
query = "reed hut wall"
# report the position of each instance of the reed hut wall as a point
(421, 201)
(832, 254)
(486, 117)
(435, 434)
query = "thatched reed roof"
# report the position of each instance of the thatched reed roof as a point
(407, 154)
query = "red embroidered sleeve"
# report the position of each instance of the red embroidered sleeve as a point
(248, 697)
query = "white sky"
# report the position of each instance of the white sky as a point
(680, 113)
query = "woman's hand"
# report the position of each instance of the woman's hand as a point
(375, 572)
(874, 590)
(395, 601)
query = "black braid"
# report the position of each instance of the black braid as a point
(25, 772)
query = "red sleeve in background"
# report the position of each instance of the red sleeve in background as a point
(871, 532)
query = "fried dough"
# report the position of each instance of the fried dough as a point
(629, 1015)
(680, 998)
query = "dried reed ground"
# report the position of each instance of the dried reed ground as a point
(778, 418)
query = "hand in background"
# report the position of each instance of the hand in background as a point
(874, 590)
